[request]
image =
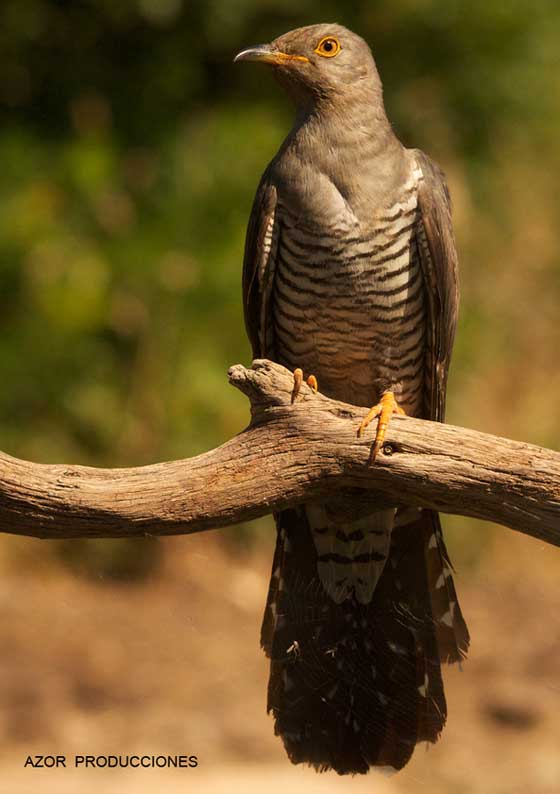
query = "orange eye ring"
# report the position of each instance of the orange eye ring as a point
(328, 47)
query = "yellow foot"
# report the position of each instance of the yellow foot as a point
(298, 380)
(384, 409)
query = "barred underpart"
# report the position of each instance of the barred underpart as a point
(351, 309)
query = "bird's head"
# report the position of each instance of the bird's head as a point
(319, 62)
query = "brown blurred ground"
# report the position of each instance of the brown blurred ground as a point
(174, 666)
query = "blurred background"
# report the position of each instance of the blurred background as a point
(130, 149)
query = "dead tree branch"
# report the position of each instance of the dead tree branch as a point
(289, 454)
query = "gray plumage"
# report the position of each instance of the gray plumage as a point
(350, 273)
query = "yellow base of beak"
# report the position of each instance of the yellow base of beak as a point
(265, 54)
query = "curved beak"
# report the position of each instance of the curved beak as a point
(264, 53)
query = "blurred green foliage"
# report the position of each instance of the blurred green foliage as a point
(130, 148)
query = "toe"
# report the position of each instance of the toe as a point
(312, 383)
(386, 407)
(298, 380)
(372, 413)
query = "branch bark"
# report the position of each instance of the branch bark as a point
(289, 454)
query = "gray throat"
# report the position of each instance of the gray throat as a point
(353, 144)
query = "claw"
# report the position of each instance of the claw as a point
(384, 409)
(312, 383)
(298, 380)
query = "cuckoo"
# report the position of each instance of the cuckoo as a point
(350, 280)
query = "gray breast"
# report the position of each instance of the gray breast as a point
(348, 302)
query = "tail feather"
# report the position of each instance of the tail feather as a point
(353, 685)
(452, 633)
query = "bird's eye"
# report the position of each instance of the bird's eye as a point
(328, 47)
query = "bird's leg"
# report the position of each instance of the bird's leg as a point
(298, 380)
(384, 409)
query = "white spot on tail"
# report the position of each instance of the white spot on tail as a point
(447, 619)
(294, 648)
(384, 771)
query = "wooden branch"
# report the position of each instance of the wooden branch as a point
(287, 455)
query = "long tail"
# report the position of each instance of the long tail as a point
(355, 685)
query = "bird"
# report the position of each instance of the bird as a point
(350, 280)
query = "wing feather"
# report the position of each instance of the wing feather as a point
(258, 269)
(438, 260)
